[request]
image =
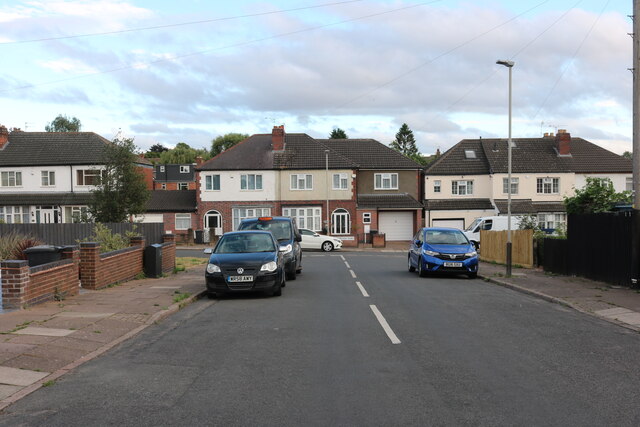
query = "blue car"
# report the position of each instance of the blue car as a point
(442, 250)
(245, 261)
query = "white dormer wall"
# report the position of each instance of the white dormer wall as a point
(65, 179)
(230, 187)
(482, 186)
(527, 186)
(619, 180)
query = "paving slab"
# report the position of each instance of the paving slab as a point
(630, 318)
(19, 377)
(46, 332)
(8, 390)
(83, 314)
(612, 312)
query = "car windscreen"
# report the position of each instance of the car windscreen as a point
(473, 225)
(245, 243)
(445, 237)
(281, 230)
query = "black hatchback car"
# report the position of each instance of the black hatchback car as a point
(286, 232)
(244, 261)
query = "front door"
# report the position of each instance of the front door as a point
(213, 220)
(47, 215)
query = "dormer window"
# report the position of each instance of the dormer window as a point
(470, 154)
(184, 169)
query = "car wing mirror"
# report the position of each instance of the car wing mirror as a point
(208, 251)
(418, 243)
(298, 238)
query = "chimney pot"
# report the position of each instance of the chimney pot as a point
(277, 138)
(4, 136)
(199, 160)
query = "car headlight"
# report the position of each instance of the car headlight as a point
(430, 253)
(270, 267)
(212, 268)
(471, 254)
(286, 249)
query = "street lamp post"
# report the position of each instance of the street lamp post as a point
(326, 158)
(509, 65)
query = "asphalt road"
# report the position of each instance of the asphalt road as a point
(454, 352)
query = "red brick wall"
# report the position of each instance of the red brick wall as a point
(99, 271)
(168, 253)
(172, 186)
(147, 172)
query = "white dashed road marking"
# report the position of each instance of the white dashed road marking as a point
(347, 264)
(363, 290)
(352, 274)
(392, 336)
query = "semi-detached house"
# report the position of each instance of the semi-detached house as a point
(47, 177)
(342, 187)
(470, 179)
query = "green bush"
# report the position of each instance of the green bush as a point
(12, 245)
(108, 240)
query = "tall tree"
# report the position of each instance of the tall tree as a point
(598, 195)
(226, 141)
(627, 155)
(157, 148)
(62, 123)
(122, 190)
(405, 143)
(183, 153)
(338, 133)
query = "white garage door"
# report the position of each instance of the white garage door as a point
(453, 223)
(396, 225)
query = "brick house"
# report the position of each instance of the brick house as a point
(174, 177)
(314, 181)
(470, 179)
(175, 209)
(47, 177)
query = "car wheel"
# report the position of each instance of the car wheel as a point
(472, 275)
(277, 289)
(411, 267)
(421, 271)
(327, 246)
(291, 275)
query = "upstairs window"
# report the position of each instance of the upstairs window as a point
(88, 176)
(48, 178)
(386, 181)
(161, 168)
(302, 182)
(462, 188)
(184, 169)
(11, 179)
(340, 181)
(514, 185)
(437, 186)
(629, 184)
(183, 186)
(212, 182)
(548, 185)
(251, 182)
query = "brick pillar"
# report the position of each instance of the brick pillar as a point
(73, 253)
(15, 279)
(168, 252)
(90, 265)
(166, 238)
(136, 241)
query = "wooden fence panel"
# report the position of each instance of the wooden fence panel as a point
(493, 247)
(70, 234)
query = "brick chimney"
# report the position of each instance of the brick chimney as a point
(4, 136)
(277, 138)
(563, 141)
(199, 160)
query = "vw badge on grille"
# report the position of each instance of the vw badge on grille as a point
(240, 270)
(453, 256)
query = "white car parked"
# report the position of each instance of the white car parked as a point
(313, 240)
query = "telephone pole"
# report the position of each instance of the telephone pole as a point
(636, 104)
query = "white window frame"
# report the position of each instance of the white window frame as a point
(183, 186)
(340, 222)
(88, 173)
(384, 181)
(48, 178)
(301, 182)
(209, 182)
(437, 186)
(163, 186)
(8, 214)
(552, 184)
(251, 182)
(185, 168)
(366, 217)
(342, 181)
(248, 212)
(161, 168)
(183, 221)
(73, 212)
(458, 186)
(515, 184)
(306, 216)
(11, 179)
(551, 220)
(629, 184)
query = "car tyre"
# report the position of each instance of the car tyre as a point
(421, 271)
(277, 289)
(327, 246)
(291, 275)
(411, 267)
(472, 275)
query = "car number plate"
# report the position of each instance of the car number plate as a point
(240, 278)
(453, 264)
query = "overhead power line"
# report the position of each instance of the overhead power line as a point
(180, 24)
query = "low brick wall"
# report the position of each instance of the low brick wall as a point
(168, 253)
(23, 285)
(98, 271)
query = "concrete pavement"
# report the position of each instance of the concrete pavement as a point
(41, 343)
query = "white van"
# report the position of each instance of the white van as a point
(495, 223)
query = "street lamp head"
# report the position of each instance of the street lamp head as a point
(506, 63)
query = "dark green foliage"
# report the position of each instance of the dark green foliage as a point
(62, 123)
(182, 154)
(122, 191)
(338, 133)
(627, 155)
(597, 196)
(405, 143)
(224, 142)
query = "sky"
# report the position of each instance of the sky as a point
(168, 72)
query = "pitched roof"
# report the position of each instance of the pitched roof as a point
(21, 199)
(527, 206)
(55, 148)
(172, 173)
(401, 200)
(529, 155)
(172, 201)
(370, 154)
(304, 152)
(455, 204)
